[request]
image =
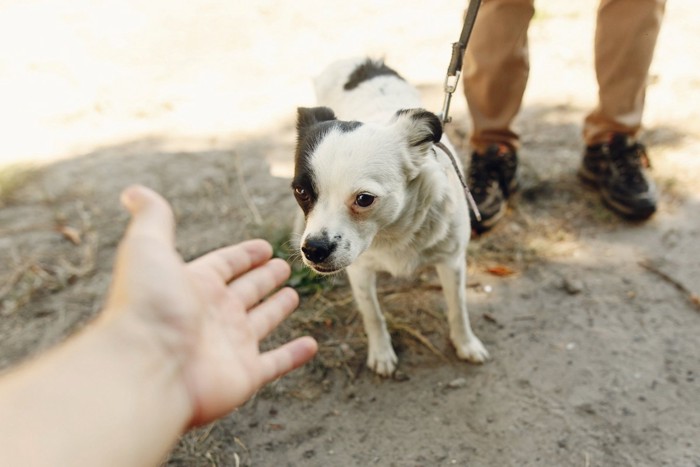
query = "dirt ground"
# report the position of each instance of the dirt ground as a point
(592, 322)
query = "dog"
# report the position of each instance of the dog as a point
(379, 193)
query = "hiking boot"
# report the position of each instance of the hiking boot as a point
(492, 179)
(617, 170)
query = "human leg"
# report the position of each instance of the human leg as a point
(614, 161)
(625, 39)
(496, 69)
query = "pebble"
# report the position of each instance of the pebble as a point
(457, 383)
(572, 286)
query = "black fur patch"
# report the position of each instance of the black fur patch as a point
(305, 191)
(309, 116)
(313, 124)
(366, 71)
(430, 120)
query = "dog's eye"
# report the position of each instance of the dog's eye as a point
(364, 200)
(301, 193)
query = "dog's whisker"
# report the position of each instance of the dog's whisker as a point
(295, 258)
(294, 242)
(294, 237)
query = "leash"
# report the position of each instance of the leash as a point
(454, 70)
(455, 67)
(467, 193)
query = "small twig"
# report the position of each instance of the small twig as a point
(419, 337)
(211, 458)
(238, 441)
(348, 371)
(206, 433)
(257, 218)
(87, 262)
(693, 298)
(524, 318)
(15, 277)
(436, 316)
(330, 304)
(490, 318)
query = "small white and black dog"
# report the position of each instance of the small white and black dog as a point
(378, 195)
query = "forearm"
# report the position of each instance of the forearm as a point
(106, 397)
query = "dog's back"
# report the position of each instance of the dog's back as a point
(364, 89)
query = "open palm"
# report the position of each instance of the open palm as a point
(207, 316)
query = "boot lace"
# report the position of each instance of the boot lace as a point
(492, 166)
(628, 162)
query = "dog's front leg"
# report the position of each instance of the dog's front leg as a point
(381, 357)
(453, 276)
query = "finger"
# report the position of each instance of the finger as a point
(270, 313)
(254, 285)
(232, 261)
(282, 360)
(151, 215)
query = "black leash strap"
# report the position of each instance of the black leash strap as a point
(455, 67)
(451, 81)
(467, 193)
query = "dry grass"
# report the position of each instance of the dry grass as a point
(29, 279)
(12, 177)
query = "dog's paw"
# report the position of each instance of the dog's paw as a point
(382, 362)
(472, 350)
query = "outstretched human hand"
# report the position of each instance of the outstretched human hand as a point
(176, 346)
(207, 316)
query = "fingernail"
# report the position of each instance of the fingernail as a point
(130, 198)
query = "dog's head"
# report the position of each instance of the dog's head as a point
(351, 179)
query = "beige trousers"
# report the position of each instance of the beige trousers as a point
(496, 67)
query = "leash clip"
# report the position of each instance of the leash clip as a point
(451, 82)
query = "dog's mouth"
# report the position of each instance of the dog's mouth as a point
(324, 270)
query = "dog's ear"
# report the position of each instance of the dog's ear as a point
(422, 128)
(309, 116)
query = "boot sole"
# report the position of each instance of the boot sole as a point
(625, 211)
(487, 224)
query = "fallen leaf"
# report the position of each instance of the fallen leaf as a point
(70, 233)
(489, 317)
(695, 300)
(501, 271)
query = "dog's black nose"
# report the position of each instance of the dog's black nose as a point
(317, 250)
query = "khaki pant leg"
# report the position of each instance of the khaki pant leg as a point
(625, 38)
(496, 69)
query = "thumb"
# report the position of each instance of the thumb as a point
(151, 215)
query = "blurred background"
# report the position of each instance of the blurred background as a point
(81, 74)
(86, 73)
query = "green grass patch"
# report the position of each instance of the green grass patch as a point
(12, 177)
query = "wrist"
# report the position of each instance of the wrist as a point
(151, 363)
(131, 396)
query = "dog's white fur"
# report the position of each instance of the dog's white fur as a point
(419, 215)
